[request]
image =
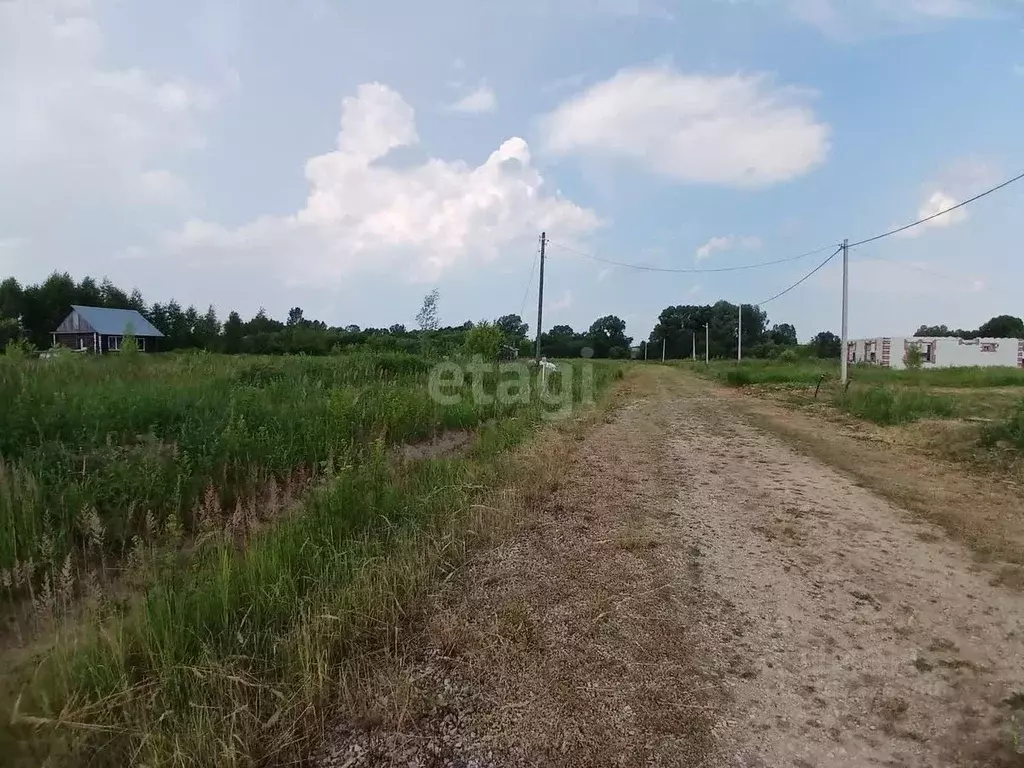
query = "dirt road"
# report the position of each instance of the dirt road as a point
(698, 593)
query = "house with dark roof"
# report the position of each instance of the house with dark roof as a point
(99, 330)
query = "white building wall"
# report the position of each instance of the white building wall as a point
(938, 352)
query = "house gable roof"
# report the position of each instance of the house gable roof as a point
(113, 322)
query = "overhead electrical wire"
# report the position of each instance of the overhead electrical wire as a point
(896, 231)
(801, 280)
(529, 283)
(940, 213)
(647, 268)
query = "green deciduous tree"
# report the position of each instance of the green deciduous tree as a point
(826, 344)
(783, 335)
(513, 327)
(484, 339)
(428, 317)
(681, 326)
(607, 336)
(1002, 327)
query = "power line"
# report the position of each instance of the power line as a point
(646, 268)
(801, 280)
(529, 284)
(940, 213)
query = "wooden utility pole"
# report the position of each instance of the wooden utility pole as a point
(540, 293)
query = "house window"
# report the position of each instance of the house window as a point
(927, 353)
(113, 343)
(990, 347)
(141, 342)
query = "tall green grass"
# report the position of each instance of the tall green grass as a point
(124, 445)
(895, 405)
(228, 648)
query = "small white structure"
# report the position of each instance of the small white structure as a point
(937, 352)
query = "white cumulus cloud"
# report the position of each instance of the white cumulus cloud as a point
(479, 101)
(413, 221)
(960, 180)
(937, 202)
(71, 122)
(726, 243)
(737, 130)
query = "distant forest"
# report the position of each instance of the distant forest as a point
(28, 314)
(999, 327)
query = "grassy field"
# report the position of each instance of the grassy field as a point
(193, 548)
(889, 397)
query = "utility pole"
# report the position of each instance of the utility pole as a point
(694, 352)
(540, 293)
(846, 298)
(707, 344)
(663, 349)
(739, 338)
(646, 345)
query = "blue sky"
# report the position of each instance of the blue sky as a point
(348, 157)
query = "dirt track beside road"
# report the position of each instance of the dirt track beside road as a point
(698, 592)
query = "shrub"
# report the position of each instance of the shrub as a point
(788, 356)
(484, 339)
(738, 377)
(913, 358)
(19, 349)
(129, 344)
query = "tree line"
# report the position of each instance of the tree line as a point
(680, 332)
(999, 327)
(29, 314)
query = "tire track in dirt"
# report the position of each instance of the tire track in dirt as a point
(865, 638)
(695, 592)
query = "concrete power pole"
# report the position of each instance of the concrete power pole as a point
(694, 351)
(843, 373)
(540, 293)
(707, 344)
(663, 349)
(739, 338)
